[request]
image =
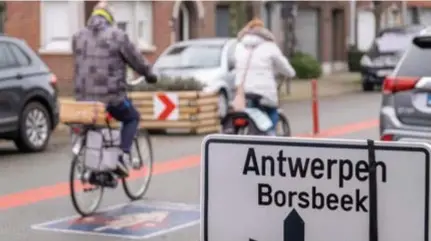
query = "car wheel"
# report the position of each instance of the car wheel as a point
(366, 86)
(223, 104)
(34, 128)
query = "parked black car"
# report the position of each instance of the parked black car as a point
(29, 109)
(380, 60)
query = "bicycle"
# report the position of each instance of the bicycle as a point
(248, 122)
(99, 178)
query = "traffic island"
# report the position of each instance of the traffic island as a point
(194, 111)
(172, 105)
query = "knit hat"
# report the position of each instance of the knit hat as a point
(102, 9)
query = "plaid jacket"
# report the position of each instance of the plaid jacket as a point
(101, 54)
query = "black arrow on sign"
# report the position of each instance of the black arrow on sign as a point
(293, 228)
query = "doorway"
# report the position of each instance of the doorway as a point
(184, 23)
(338, 35)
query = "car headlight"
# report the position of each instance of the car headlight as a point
(366, 61)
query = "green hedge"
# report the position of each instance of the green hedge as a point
(306, 66)
(170, 84)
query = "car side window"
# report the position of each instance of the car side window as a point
(21, 57)
(415, 62)
(7, 60)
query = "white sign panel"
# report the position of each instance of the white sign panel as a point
(294, 189)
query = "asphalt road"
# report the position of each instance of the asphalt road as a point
(34, 189)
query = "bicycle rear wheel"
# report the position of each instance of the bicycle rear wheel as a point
(79, 186)
(283, 127)
(141, 167)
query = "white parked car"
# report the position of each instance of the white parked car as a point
(206, 60)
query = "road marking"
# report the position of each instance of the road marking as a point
(345, 129)
(62, 189)
(31, 196)
(110, 212)
(162, 232)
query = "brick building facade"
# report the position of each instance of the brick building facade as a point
(323, 27)
(154, 25)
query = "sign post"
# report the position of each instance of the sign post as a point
(299, 189)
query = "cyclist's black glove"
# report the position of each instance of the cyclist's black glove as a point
(151, 78)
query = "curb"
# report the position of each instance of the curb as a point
(340, 92)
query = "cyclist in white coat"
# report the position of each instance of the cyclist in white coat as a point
(258, 60)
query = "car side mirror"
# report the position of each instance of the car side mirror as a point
(230, 64)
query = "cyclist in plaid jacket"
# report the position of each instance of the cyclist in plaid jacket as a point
(101, 55)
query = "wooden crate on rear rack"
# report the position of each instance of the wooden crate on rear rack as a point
(82, 112)
(194, 111)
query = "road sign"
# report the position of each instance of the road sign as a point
(134, 221)
(165, 106)
(295, 189)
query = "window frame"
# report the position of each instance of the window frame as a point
(74, 10)
(142, 13)
(16, 63)
(413, 52)
(19, 49)
(76, 14)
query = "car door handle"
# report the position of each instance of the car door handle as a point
(19, 76)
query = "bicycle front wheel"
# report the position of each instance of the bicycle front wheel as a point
(141, 167)
(86, 198)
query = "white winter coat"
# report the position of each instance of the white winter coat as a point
(267, 60)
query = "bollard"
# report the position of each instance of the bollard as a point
(315, 107)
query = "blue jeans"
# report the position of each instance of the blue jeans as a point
(271, 112)
(129, 117)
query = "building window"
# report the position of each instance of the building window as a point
(136, 19)
(61, 19)
(55, 26)
(58, 23)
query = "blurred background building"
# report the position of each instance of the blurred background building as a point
(322, 29)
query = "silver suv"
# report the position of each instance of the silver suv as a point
(405, 113)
